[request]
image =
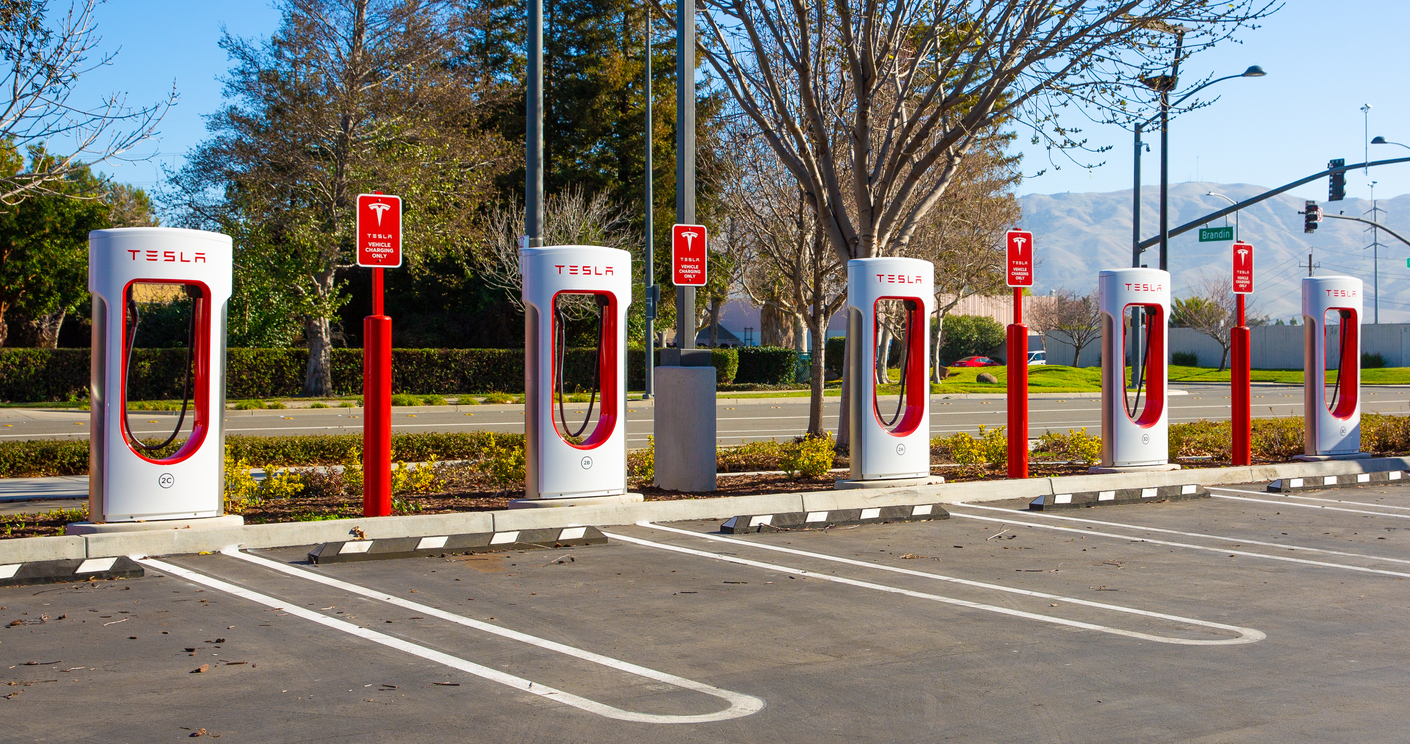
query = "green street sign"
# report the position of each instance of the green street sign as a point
(1211, 234)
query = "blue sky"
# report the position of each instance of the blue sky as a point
(1324, 61)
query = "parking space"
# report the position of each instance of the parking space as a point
(1246, 617)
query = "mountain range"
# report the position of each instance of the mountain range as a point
(1078, 234)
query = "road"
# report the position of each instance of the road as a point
(1249, 617)
(739, 419)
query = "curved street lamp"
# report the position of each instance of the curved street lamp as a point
(1163, 84)
(1379, 140)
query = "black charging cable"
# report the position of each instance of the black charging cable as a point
(1345, 316)
(1139, 368)
(562, 343)
(194, 294)
(905, 362)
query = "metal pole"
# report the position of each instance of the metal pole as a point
(1164, 180)
(650, 277)
(685, 156)
(1136, 202)
(1018, 390)
(533, 134)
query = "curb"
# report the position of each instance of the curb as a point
(1289, 485)
(287, 534)
(57, 572)
(435, 545)
(1059, 501)
(754, 523)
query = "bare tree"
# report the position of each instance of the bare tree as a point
(964, 236)
(914, 84)
(788, 260)
(1212, 310)
(44, 61)
(1078, 317)
(570, 218)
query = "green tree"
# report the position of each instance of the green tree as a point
(969, 335)
(44, 250)
(347, 96)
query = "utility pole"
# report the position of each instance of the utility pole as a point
(1375, 213)
(1309, 264)
(1366, 137)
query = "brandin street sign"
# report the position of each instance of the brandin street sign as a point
(1243, 268)
(1020, 257)
(688, 256)
(1213, 234)
(379, 231)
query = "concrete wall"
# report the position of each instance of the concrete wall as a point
(1270, 347)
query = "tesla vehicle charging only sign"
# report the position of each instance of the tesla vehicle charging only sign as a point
(688, 255)
(1020, 257)
(379, 231)
(1243, 268)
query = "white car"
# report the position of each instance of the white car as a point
(1037, 357)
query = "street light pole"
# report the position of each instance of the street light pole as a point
(650, 269)
(1165, 89)
(533, 135)
(685, 156)
(1236, 214)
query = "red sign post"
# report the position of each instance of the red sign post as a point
(378, 228)
(688, 256)
(1240, 388)
(1020, 274)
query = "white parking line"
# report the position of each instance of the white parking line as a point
(740, 704)
(1246, 635)
(1301, 506)
(1224, 551)
(1313, 498)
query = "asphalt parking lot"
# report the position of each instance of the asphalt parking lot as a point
(1248, 617)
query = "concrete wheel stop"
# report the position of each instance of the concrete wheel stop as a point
(71, 569)
(1290, 485)
(788, 522)
(1116, 496)
(435, 545)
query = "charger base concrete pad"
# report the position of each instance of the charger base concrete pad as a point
(624, 498)
(846, 484)
(1105, 469)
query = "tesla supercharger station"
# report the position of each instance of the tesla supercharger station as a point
(132, 476)
(1331, 305)
(889, 441)
(1134, 406)
(569, 460)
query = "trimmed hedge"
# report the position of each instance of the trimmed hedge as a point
(835, 351)
(766, 365)
(44, 375)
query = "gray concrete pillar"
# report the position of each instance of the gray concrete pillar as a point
(685, 428)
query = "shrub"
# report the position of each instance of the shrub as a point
(968, 335)
(641, 464)
(415, 478)
(432, 400)
(989, 448)
(1372, 361)
(810, 457)
(751, 457)
(834, 356)
(499, 398)
(726, 363)
(503, 459)
(402, 399)
(318, 404)
(1074, 446)
(241, 488)
(767, 365)
(1185, 359)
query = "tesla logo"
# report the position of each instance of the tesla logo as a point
(584, 270)
(1018, 241)
(690, 237)
(1142, 287)
(166, 256)
(379, 208)
(1243, 255)
(167, 480)
(1341, 292)
(587, 463)
(899, 279)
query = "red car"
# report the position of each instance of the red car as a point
(976, 361)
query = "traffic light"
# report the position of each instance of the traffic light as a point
(1311, 216)
(1336, 190)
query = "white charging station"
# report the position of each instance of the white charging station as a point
(133, 478)
(566, 462)
(889, 441)
(1135, 405)
(1331, 305)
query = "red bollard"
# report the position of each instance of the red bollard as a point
(1018, 390)
(377, 416)
(1240, 395)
